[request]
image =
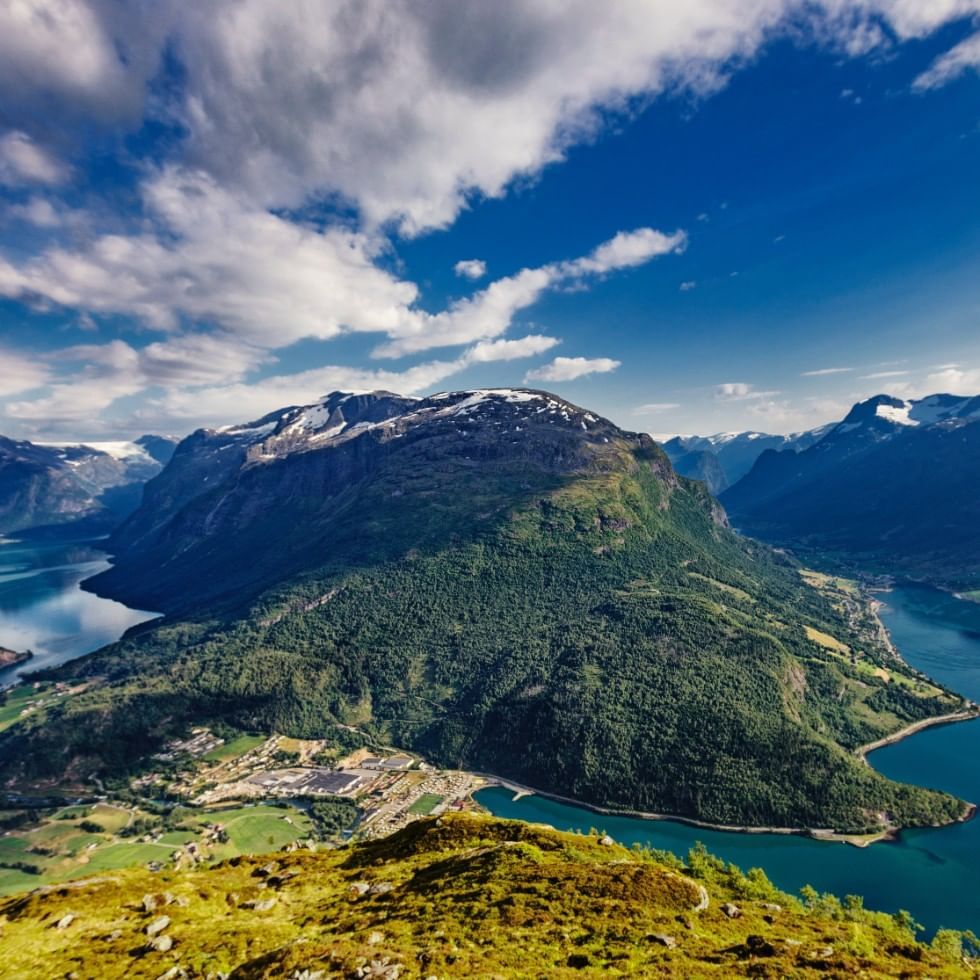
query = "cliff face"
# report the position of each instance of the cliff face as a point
(68, 485)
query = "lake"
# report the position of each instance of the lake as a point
(935, 874)
(43, 609)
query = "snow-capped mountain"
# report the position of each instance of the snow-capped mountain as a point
(724, 458)
(894, 483)
(53, 484)
(238, 485)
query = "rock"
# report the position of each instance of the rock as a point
(375, 938)
(824, 952)
(772, 907)
(732, 911)
(578, 961)
(161, 944)
(662, 939)
(759, 946)
(174, 973)
(267, 869)
(380, 970)
(606, 841)
(260, 906)
(152, 902)
(358, 889)
(381, 888)
(114, 935)
(704, 899)
(65, 921)
(158, 925)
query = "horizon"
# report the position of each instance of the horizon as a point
(696, 222)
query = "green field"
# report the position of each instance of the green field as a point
(425, 804)
(14, 703)
(236, 747)
(251, 830)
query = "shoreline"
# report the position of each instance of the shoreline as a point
(887, 834)
(969, 713)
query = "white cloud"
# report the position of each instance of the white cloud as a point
(963, 57)
(822, 372)
(570, 368)
(739, 391)
(625, 249)
(271, 282)
(953, 380)
(408, 110)
(471, 268)
(20, 372)
(37, 211)
(883, 374)
(688, 285)
(653, 407)
(22, 161)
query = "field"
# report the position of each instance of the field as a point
(826, 641)
(68, 851)
(425, 804)
(14, 703)
(234, 748)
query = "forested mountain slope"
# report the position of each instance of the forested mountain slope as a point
(502, 581)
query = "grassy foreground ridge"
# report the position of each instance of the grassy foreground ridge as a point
(459, 896)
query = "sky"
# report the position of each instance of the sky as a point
(700, 217)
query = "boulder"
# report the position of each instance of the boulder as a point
(732, 911)
(158, 925)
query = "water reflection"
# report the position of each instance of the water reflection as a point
(43, 609)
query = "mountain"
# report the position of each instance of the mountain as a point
(723, 459)
(448, 896)
(97, 484)
(501, 581)
(893, 486)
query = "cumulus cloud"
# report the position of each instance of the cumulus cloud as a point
(570, 368)
(471, 268)
(964, 57)
(401, 114)
(22, 161)
(953, 380)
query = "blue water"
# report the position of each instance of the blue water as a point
(935, 874)
(43, 609)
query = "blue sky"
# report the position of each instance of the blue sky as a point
(691, 221)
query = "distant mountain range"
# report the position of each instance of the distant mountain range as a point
(894, 486)
(91, 486)
(500, 580)
(723, 459)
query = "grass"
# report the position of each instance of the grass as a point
(826, 641)
(14, 704)
(464, 896)
(236, 747)
(425, 804)
(250, 830)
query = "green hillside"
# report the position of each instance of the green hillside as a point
(599, 634)
(460, 896)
